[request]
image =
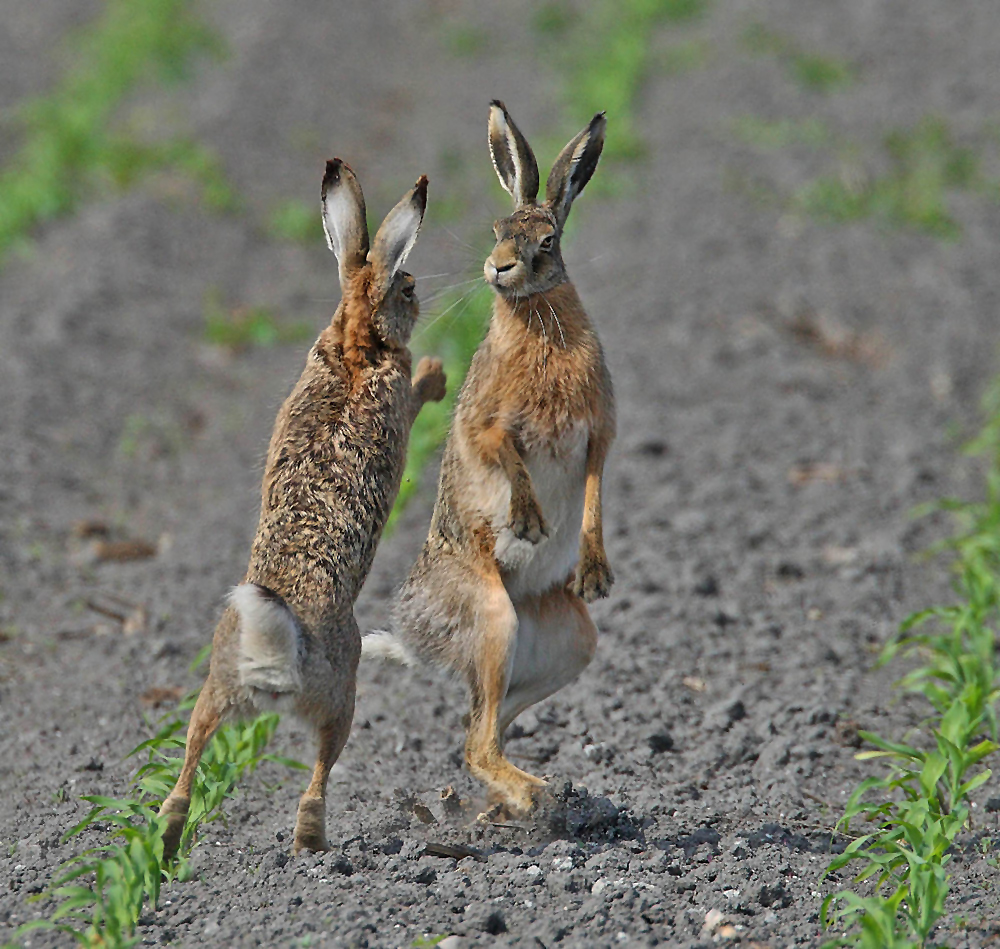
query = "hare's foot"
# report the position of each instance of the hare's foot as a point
(514, 789)
(593, 578)
(310, 825)
(526, 521)
(175, 809)
(429, 380)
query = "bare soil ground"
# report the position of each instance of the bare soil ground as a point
(788, 391)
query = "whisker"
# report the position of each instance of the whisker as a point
(458, 240)
(434, 276)
(437, 319)
(562, 335)
(445, 291)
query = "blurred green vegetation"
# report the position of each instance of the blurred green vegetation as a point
(781, 133)
(607, 54)
(823, 74)
(295, 220)
(239, 328)
(925, 163)
(465, 40)
(453, 335)
(71, 146)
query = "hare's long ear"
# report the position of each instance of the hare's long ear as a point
(512, 156)
(344, 218)
(396, 237)
(574, 168)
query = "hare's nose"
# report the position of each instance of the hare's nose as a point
(503, 268)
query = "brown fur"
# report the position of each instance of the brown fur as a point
(333, 470)
(498, 594)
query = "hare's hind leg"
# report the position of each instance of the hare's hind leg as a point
(327, 702)
(495, 644)
(556, 640)
(204, 721)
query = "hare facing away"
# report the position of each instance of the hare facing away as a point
(288, 637)
(515, 548)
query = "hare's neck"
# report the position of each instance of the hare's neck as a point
(350, 339)
(556, 316)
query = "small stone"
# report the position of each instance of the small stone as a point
(425, 875)
(846, 733)
(423, 814)
(451, 802)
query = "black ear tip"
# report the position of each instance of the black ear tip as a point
(420, 191)
(496, 103)
(332, 174)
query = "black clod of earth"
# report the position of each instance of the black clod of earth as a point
(737, 711)
(660, 742)
(494, 924)
(775, 895)
(993, 805)
(426, 875)
(342, 865)
(707, 586)
(653, 448)
(278, 859)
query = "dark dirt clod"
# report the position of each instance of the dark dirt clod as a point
(494, 924)
(660, 742)
(707, 586)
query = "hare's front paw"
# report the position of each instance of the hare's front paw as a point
(430, 380)
(526, 521)
(593, 578)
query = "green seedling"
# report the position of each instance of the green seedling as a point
(922, 804)
(101, 893)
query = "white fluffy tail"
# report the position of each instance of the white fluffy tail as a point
(383, 645)
(270, 640)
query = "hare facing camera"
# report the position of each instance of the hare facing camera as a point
(288, 638)
(515, 549)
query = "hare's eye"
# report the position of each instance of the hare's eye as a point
(546, 243)
(408, 292)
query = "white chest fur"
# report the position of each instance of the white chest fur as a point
(558, 475)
